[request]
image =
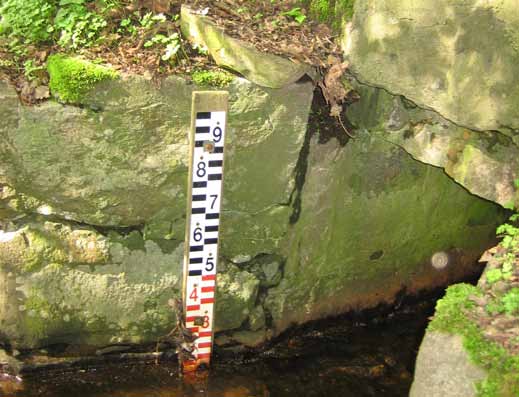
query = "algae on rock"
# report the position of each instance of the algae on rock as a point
(371, 219)
(79, 287)
(121, 159)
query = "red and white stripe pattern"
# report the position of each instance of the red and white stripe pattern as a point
(202, 257)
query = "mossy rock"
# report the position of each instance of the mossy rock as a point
(71, 77)
(452, 318)
(333, 12)
(212, 78)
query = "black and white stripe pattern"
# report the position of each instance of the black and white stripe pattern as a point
(206, 190)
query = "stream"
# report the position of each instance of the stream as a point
(367, 354)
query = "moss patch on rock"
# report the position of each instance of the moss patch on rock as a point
(451, 317)
(212, 78)
(71, 78)
(334, 12)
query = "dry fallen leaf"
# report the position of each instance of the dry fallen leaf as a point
(41, 92)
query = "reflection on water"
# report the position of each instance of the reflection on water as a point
(345, 357)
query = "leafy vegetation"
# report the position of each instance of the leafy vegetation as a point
(145, 38)
(296, 13)
(27, 21)
(76, 25)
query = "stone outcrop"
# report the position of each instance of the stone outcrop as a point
(486, 163)
(121, 159)
(93, 212)
(443, 368)
(371, 219)
(448, 94)
(438, 79)
(264, 69)
(457, 57)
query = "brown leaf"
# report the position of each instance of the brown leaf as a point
(41, 92)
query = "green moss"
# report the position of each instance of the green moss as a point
(494, 275)
(212, 78)
(71, 78)
(37, 311)
(333, 12)
(43, 249)
(320, 9)
(502, 369)
(510, 301)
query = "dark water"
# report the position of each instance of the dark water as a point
(364, 355)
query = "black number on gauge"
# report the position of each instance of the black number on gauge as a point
(214, 197)
(197, 234)
(217, 134)
(209, 264)
(200, 172)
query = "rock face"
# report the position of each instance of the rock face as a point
(371, 219)
(122, 159)
(457, 57)
(438, 79)
(62, 284)
(486, 163)
(443, 368)
(92, 205)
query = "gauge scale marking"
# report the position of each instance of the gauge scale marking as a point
(203, 222)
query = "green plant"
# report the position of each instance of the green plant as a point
(126, 25)
(296, 13)
(149, 19)
(200, 48)
(494, 275)
(171, 42)
(219, 78)
(333, 12)
(501, 367)
(77, 25)
(510, 301)
(27, 21)
(29, 68)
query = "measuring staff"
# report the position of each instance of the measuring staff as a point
(207, 138)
